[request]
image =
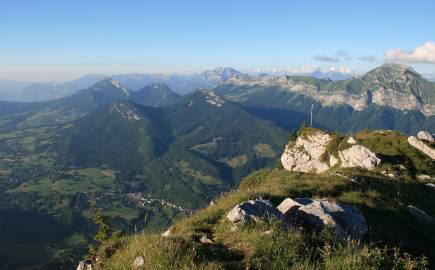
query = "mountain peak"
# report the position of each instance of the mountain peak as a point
(111, 86)
(221, 73)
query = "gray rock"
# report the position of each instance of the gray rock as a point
(416, 143)
(288, 208)
(420, 214)
(205, 240)
(424, 177)
(138, 262)
(168, 232)
(305, 155)
(424, 135)
(358, 156)
(430, 185)
(253, 210)
(347, 220)
(83, 265)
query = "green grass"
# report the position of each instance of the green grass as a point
(84, 180)
(381, 200)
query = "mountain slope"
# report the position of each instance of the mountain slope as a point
(197, 139)
(121, 136)
(392, 85)
(208, 240)
(155, 95)
(348, 106)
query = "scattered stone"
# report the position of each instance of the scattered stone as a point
(388, 174)
(138, 262)
(424, 135)
(268, 232)
(84, 265)
(306, 213)
(424, 177)
(305, 155)
(359, 156)
(205, 240)
(253, 210)
(419, 145)
(430, 185)
(420, 214)
(347, 220)
(403, 168)
(351, 140)
(168, 232)
(354, 181)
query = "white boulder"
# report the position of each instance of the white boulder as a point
(359, 156)
(83, 265)
(168, 232)
(413, 141)
(430, 185)
(205, 240)
(424, 177)
(253, 210)
(138, 263)
(345, 219)
(304, 156)
(351, 140)
(424, 135)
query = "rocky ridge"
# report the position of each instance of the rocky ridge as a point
(307, 154)
(392, 85)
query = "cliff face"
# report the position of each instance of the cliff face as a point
(392, 85)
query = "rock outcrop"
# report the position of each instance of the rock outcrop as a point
(253, 210)
(413, 141)
(359, 156)
(424, 135)
(304, 156)
(345, 219)
(309, 154)
(305, 213)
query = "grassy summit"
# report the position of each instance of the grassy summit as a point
(267, 245)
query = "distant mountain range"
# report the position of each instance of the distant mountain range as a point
(388, 97)
(181, 84)
(44, 91)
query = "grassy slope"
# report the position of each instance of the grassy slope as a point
(382, 200)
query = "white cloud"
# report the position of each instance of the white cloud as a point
(302, 70)
(340, 69)
(422, 54)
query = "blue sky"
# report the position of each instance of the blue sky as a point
(56, 40)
